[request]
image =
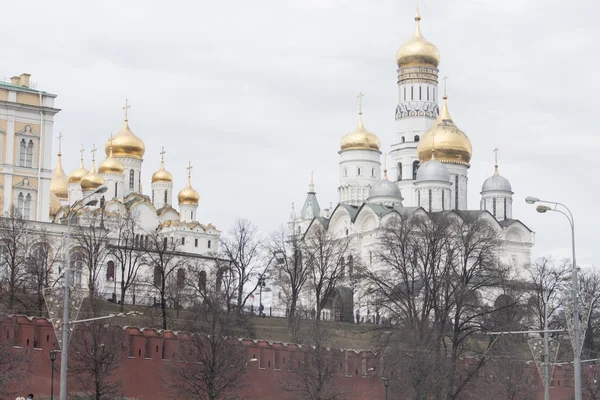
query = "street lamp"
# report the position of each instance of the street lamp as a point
(261, 283)
(386, 383)
(52, 358)
(554, 206)
(64, 357)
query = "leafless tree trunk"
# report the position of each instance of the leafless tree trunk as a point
(164, 260)
(213, 363)
(13, 254)
(324, 258)
(242, 247)
(127, 248)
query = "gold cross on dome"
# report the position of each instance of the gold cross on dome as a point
(445, 78)
(127, 107)
(162, 153)
(60, 136)
(93, 151)
(359, 97)
(189, 168)
(82, 151)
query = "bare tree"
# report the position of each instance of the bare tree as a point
(164, 260)
(14, 368)
(590, 285)
(127, 249)
(213, 363)
(242, 247)
(317, 366)
(97, 358)
(292, 272)
(324, 258)
(13, 254)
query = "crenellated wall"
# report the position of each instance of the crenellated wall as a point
(270, 365)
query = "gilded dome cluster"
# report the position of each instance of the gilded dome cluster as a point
(450, 143)
(111, 165)
(59, 182)
(92, 180)
(126, 144)
(360, 138)
(418, 51)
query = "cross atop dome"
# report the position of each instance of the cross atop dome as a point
(126, 108)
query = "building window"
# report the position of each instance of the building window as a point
(183, 241)
(494, 206)
(434, 92)
(399, 171)
(22, 151)
(166, 195)
(20, 204)
(420, 92)
(412, 91)
(430, 199)
(343, 266)
(505, 208)
(153, 197)
(157, 276)
(416, 165)
(358, 169)
(404, 93)
(443, 199)
(180, 278)
(195, 242)
(456, 192)
(29, 155)
(202, 281)
(140, 181)
(131, 179)
(345, 171)
(27, 207)
(165, 243)
(417, 138)
(209, 244)
(373, 172)
(419, 198)
(427, 93)
(350, 265)
(402, 139)
(110, 271)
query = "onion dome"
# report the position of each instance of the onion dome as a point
(433, 170)
(54, 205)
(451, 144)
(59, 183)
(385, 188)
(162, 175)
(360, 138)
(111, 165)
(418, 51)
(79, 172)
(496, 183)
(92, 180)
(126, 144)
(188, 195)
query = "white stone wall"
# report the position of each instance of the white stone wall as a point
(360, 169)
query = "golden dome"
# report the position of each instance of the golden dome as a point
(59, 183)
(360, 138)
(92, 180)
(126, 144)
(79, 173)
(162, 175)
(54, 205)
(451, 144)
(188, 195)
(111, 165)
(418, 51)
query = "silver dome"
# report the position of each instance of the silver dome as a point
(496, 183)
(385, 188)
(433, 170)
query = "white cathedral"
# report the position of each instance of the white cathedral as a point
(430, 156)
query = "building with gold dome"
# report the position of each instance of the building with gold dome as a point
(430, 160)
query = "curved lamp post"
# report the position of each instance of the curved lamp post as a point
(564, 210)
(64, 357)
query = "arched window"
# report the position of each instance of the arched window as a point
(420, 93)
(77, 263)
(412, 93)
(180, 278)
(157, 276)
(373, 172)
(345, 171)
(443, 199)
(166, 194)
(505, 208)
(430, 199)
(131, 179)
(416, 165)
(399, 171)
(427, 93)
(110, 271)
(417, 138)
(404, 93)
(202, 281)
(27, 207)
(116, 189)
(22, 151)
(402, 139)
(456, 192)
(192, 215)
(20, 204)
(140, 180)
(29, 154)
(358, 171)
(494, 206)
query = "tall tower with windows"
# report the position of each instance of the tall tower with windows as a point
(417, 108)
(26, 122)
(360, 163)
(129, 150)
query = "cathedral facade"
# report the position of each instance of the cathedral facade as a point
(430, 161)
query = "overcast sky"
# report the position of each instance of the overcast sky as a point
(259, 93)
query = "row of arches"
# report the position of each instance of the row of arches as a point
(415, 167)
(416, 139)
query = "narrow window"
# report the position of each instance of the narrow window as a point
(430, 199)
(140, 181)
(166, 193)
(427, 93)
(20, 204)
(443, 199)
(153, 197)
(404, 93)
(29, 155)
(494, 206)
(417, 138)
(350, 265)
(180, 278)
(343, 266)
(195, 242)
(456, 192)
(202, 281)
(345, 171)
(22, 151)
(27, 208)
(110, 271)
(434, 93)
(420, 92)
(209, 244)
(505, 208)
(165, 243)
(191, 215)
(358, 171)
(415, 169)
(399, 171)
(373, 172)
(412, 91)
(131, 179)
(419, 198)
(157, 276)
(183, 241)
(116, 192)
(402, 139)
